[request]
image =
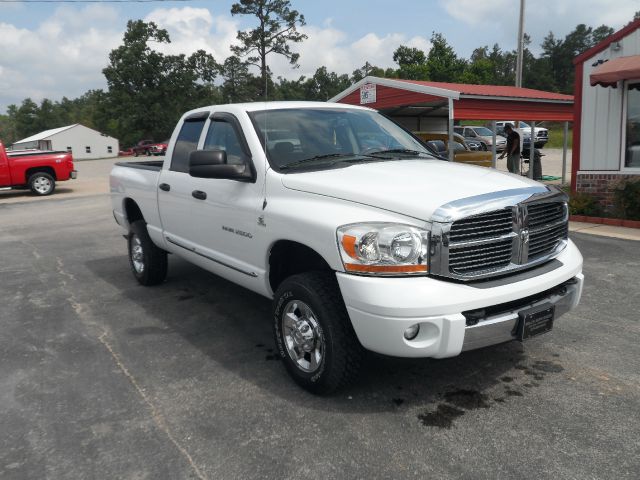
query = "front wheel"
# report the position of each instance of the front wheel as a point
(42, 183)
(148, 262)
(313, 333)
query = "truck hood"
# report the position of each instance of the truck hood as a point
(415, 187)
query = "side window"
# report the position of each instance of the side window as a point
(222, 136)
(186, 143)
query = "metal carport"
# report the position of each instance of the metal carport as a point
(416, 103)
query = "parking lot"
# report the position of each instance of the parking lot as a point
(103, 378)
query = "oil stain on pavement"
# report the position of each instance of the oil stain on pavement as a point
(455, 403)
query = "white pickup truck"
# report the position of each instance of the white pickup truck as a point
(361, 237)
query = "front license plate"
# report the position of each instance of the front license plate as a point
(534, 322)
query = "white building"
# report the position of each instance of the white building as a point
(82, 141)
(606, 135)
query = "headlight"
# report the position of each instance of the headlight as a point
(384, 249)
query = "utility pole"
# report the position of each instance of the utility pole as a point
(520, 46)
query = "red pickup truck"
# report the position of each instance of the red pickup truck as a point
(36, 170)
(143, 147)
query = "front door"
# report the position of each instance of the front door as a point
(224, 218)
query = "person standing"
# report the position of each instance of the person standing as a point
(512, 150)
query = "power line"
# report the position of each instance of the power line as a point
(91, 1)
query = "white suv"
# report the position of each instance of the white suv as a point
(542, 134)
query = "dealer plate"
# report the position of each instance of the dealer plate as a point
(535, 321)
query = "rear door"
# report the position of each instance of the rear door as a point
(175, 185)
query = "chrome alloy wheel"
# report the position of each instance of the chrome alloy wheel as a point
(42, 185)
(137, 254)
(302, 336)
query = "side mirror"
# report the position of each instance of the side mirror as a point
(213, 164)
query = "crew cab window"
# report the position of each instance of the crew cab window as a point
(222, 136)
(186, 143)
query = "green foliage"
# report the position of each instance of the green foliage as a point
(148, 91)
(584, 204)
(276, 30)
(627, 199)
(412, 63)
(239, 85)
(367, 69)
(560, 53)
(442, 62)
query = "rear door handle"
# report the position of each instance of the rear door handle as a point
(199, 194)
(165, 187)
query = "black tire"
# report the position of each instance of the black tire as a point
(147, 153)
(42, 184)
(341, 352)
(135, 153)
(148, 262)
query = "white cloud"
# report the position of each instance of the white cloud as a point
(63, 56)
(332, 49)
(560, 17)
(476, 12)
(193, 29)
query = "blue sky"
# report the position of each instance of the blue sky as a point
(53, 50)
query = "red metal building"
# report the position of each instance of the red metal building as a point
(422, 105)
(606, 133)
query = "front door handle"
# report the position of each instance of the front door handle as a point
(199, 194)
(164, 187)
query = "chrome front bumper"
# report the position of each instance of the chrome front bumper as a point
(501, 327)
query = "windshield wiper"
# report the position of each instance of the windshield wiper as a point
(397, 150)
(304, 161)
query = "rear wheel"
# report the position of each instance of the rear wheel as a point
(42, 183)
(148, 262)
(313, 333)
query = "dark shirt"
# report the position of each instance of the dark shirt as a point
(511, 138)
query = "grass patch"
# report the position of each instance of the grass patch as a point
(556, 140)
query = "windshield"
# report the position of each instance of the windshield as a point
(485, 132)
(323, 137)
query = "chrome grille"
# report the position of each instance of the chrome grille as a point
(499, 241)
(465, 260)
(544, 242)
(547, 227)
(487, 225)
(469, 251)
(545, 214)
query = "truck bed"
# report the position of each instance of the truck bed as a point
(155, 165)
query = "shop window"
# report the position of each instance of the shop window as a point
(632, 132)
(87, 149)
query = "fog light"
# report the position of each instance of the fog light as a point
(412, 332)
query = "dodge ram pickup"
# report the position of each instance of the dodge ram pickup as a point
(36, 170)
(362, 239)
